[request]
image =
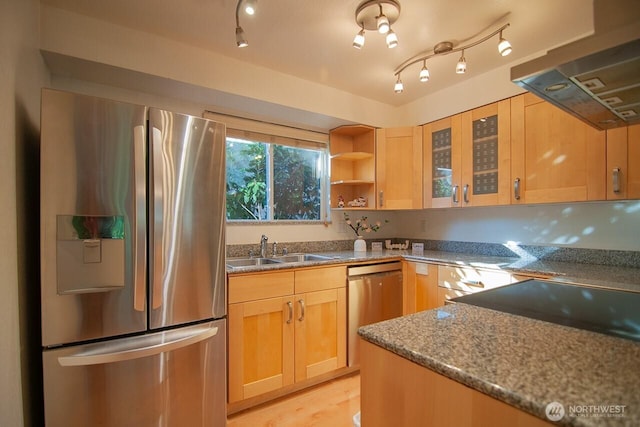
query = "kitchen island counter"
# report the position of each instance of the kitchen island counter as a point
(522, 362)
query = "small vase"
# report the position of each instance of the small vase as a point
(360, 245)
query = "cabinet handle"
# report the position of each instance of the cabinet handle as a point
(454, 194)
(290, 311)
(476, 283)
(301, 302)
(381, 198)
(465, 193)
(616, 179)
(516, 188)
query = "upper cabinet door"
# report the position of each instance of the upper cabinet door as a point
(555, 157)
(442, 170)
(399, 168)
(486, 155)
(623, 163)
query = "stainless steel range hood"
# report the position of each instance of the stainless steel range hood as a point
(597, 78)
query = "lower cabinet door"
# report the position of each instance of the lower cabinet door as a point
(320, 332)
(261, 346)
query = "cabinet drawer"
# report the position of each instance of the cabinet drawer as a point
(252, 287)
(317, 279)
(470, 279)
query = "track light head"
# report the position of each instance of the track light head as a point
(424, 73)
(392, 39)
(241, 41)
(399, 87)
(250, 7)
(358, 40)
(382, 23)
(504, 47)
(461, 68)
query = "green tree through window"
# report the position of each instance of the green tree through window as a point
(273, 182)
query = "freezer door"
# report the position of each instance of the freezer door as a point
(165, 379)
(187, 219)
(93, 218)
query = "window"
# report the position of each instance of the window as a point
(271, 177)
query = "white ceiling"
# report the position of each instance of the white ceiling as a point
(312, 39)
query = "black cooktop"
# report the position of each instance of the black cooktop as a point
(608, 311)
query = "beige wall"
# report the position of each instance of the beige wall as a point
(22, 73)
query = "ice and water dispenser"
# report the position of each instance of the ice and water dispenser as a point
(90, 253)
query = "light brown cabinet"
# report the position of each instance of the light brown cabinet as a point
(353, 167)
(467, 158)
(407, 394)
(456, 281)
(442, 161)
(285, 327)
(555, 157)
(420, 283)
(399, 168)
(623, 163)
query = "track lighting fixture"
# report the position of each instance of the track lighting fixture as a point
(424, 72)
(382, 22)
(241, 41)
(250, 6)
(445, 48)
(249, 9)
(461, 68)
(392, 39)
(358, 40)
(377, 15)
(504, 47)
(399, 87)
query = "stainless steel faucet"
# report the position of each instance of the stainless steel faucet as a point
(263, 246)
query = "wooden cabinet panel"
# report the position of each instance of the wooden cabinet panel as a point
(399, 168)
(260, 285)
(486, 155)
(404, 393)
(442, 161)
(261, 345)
(278, 338)
(467, 158)
(317, 279)
(556, 157)
(420, 284)
(320, 332)
(623, 160)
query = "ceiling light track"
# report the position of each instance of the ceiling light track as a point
(446, 48)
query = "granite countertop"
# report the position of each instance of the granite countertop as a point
(569, 272)
(523, 362)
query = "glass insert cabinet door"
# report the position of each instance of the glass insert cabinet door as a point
(467, 158)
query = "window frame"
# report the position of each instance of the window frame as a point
(274, 134)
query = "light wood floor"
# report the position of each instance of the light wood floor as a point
(332, 404)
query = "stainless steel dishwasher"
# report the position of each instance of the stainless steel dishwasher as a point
(374, 294)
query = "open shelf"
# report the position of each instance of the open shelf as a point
(352, 150)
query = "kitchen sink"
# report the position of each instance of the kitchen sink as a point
(301, 258)
(248, 262)
(290, 258)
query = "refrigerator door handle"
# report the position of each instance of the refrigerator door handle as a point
(114, 353)
(157, 218)
(139, 267)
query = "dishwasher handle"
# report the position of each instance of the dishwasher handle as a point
(362, 270)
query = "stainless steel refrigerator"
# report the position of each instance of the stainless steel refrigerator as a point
(133, 275)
